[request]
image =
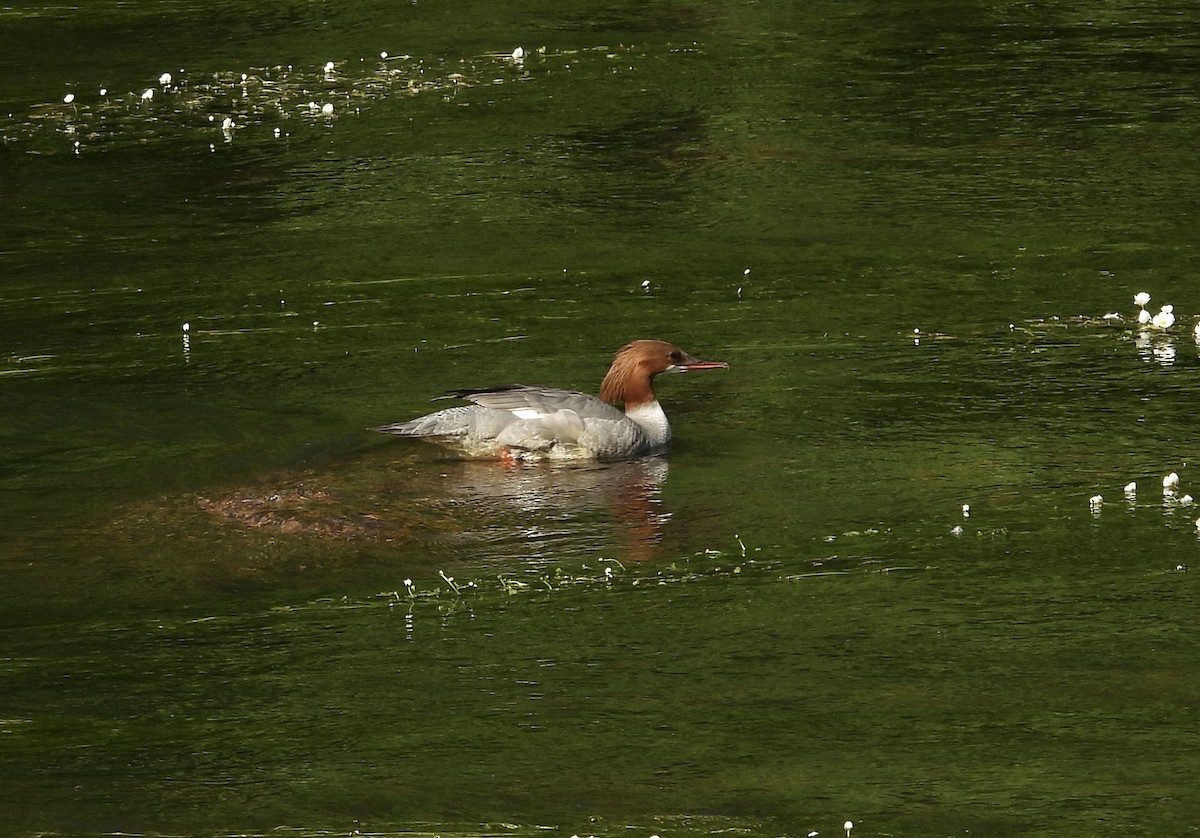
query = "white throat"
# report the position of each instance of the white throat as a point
(653, 421)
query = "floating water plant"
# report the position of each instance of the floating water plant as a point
(449, 580)
(510, 585)
(252, 97)
(1165, 318)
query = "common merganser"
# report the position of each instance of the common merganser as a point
(519, 422)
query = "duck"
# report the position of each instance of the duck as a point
(519, 422)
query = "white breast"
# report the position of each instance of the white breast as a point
(653, 420)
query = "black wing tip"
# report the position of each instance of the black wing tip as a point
(479, 391)
(397, 429)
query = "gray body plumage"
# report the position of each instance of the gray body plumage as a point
(540, 423)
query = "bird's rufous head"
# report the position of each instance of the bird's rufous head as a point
(635, 365)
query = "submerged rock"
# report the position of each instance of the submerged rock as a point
(299, 510)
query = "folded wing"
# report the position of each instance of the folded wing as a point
(535, 419)
(528, 402)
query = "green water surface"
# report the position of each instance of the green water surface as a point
(868, 584)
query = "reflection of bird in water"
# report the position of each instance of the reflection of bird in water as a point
(544, 509)
(519, 422)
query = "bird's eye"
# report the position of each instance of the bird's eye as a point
(676, 357)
